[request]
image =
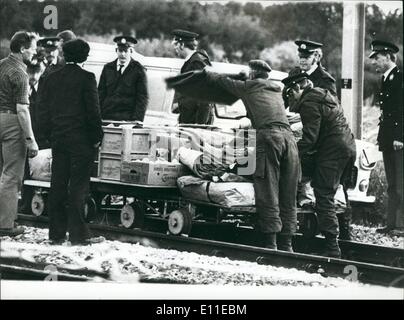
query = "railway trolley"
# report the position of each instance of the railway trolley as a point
(129, 205)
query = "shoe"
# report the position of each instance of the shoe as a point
(87, 242)
(332, 249)
(384, 230)
(270, 240)
(11, 232)
(285, 242)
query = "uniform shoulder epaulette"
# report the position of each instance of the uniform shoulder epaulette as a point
(138, 64)
(325, 74)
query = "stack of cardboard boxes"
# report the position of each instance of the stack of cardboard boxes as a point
(140, 156)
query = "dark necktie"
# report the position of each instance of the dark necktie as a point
(33, 92)
(120, 69)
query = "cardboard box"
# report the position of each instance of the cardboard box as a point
(137, 140)
(109, 166)
(151, 173)
(112, 141)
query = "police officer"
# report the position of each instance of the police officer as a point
(326, 148)
(277, 162)
(191, 111)
(52, 60)
(390, 137)
(310, 54)
(123, 85)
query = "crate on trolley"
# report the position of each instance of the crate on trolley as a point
(124, 143)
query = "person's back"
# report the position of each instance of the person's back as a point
(335, 138)
(264, 104)
(67, 93)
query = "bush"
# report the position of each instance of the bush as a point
(377, 183)
(4, 48)
(377, 188)
(282, 56)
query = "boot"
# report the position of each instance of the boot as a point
(344, 220)
(285, 242)
(270, 240)
(331, 246)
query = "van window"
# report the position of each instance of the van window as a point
(234, 111)
(160, 99)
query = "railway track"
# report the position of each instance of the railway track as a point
(366, 272)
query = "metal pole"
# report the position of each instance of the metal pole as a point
(352, 71)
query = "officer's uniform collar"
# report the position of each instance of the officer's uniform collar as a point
(312, 69)
(387, 73)
(190, 55)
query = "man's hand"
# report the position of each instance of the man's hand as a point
(33, 149)
(397, 145)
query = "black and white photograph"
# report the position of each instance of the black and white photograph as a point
(218, 152)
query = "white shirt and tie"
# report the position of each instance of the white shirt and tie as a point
(122, 67)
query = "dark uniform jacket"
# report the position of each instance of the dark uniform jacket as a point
(323, 79)
(197, 61)
(262, 99)
(123, 97)
(326, 134)
(68, 107)
(51, 68)
(41, 140)
(319, 77)
(391, 104)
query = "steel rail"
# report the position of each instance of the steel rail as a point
(354, 270)
(13, 271)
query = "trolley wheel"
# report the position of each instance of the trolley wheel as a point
(180, 222)
(90, 209)
(38, 204)
(132, 215)
(310, 225)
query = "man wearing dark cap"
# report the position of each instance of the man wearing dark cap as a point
(69, 117)
(191, 111)
(52, 60)
(277, 162)
(310, 54)
(325, 150)
(390, 137)
(123, 85)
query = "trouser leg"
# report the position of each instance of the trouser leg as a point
(393, 162)
(203, 113)
(80, 172)
(266, 181)
(58, 193)
(12, 159)
(288, 182)
(26, 192)
(325, 183)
